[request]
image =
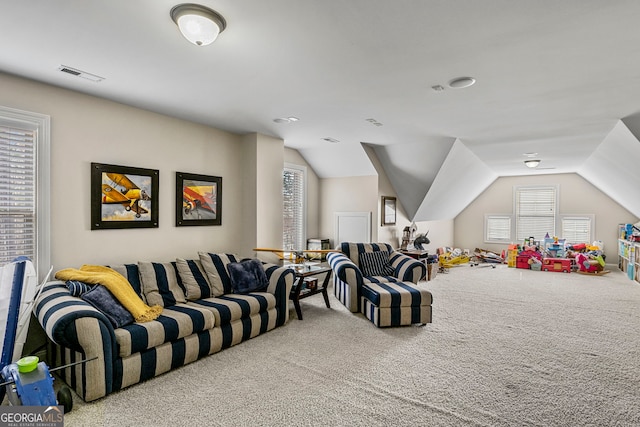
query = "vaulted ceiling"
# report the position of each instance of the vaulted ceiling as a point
(556, 78)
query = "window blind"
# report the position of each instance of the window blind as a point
(576, 229)
(17, 193)
(498, 228)
(535, 212)
(293, 188)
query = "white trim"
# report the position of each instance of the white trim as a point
(41, 124)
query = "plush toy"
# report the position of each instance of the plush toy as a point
(589, 264)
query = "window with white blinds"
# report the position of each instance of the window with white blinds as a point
(294, 210)
(577, 229)
(535, 209)
(24, 198)
(497, 228)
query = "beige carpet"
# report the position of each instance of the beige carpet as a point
(508, 347)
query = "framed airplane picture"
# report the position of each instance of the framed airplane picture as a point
(198, 199)
(123, 197)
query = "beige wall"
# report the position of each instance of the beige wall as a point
(351, 194)
(87, 129)
(577, 196)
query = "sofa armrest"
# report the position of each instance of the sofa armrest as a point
(280, 283)
(406, 268)
(76, 326)
(347, 280)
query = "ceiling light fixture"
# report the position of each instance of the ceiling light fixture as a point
(286, 119)
(532, 163)
(461, 82)
(198, 24)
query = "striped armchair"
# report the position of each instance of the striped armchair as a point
(187, 329)
(348, 277)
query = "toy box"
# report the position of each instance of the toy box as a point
(522, 261)
(556, 264)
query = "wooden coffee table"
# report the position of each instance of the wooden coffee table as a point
(300, 291)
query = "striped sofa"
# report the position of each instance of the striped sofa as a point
(200, 316)
(390, 296)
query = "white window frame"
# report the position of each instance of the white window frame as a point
(556, 219)
(41, 125)
(303, 169)
(587, 217)
(488, 218)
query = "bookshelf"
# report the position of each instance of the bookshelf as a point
(628, 255)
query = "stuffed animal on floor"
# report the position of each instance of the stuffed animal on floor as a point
(589, 264)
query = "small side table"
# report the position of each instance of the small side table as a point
(421, 256)
(299, 291)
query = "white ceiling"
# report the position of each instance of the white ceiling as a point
(553, 77)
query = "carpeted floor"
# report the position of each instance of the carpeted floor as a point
(508, 347)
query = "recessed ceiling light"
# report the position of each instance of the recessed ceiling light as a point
(530, 154)
(331, 140)
(461, 82)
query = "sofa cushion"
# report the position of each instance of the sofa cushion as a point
(215, 265)
(231, 307)
(375, 263)
(247, 276)
(132, 274)
(160, 284)
(175, 322)
(102, 299)
(194, 279)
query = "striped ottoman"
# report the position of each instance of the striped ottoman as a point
(395, 304)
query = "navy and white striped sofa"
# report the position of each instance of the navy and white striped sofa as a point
(188, 328)
(389, 299)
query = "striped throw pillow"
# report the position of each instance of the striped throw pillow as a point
(160, 284)
(215, 265)
(375, 263)
(194, 279)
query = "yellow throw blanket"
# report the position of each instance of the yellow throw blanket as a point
(117, 284)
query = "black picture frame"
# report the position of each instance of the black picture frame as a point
(123, 197)
(388, 214)
(198, 199)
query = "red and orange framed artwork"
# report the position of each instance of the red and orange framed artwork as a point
(198, 199)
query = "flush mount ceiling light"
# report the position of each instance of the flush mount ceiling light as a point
(461, 82)
(532, 163)
(198, 24)
(290, 119)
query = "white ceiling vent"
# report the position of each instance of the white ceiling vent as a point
(80, 73)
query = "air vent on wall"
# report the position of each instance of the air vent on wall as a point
(79, 73)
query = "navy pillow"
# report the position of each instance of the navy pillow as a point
(103, 300)
(78, 288)
(375, 263)
(247, 276)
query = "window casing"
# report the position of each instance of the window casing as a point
(24, 187)
(294, 179)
